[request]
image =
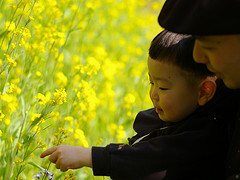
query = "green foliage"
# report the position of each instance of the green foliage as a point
(72, 72)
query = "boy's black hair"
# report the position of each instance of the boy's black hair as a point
(177, 49)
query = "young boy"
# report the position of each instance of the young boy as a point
(182, 137)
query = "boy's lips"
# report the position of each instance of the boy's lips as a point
(159, 111)
(214, 71)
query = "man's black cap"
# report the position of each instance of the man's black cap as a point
(201, 17)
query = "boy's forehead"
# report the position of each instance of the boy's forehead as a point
(159, 78)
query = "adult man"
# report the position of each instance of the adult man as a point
(215, 23)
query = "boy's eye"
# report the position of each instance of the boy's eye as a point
(151, 83)
(208, 48)
(163, 89)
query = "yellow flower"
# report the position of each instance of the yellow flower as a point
(60, 57)
(11, 101)
(120, 133)
(38, 74)
(129, 101)
(117, 131)
(18, 160)
(112, 128)
(68, 118)
(34, 116)
(70, 175)
(79, 134)
(92, 66)
(7, 121)
(1, 115)
(18, 146)
(41, 99)
(90, 5)
(61, 79)
(60, 96)
(9, 26)
(14, 88)
(156, 6)
(10, 60)
(41, 144)
(100, 52)
(0, 133)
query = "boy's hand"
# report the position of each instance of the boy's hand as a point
(69, 157)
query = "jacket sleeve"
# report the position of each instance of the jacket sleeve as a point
(187, 149)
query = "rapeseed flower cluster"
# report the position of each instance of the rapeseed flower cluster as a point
(71, 72)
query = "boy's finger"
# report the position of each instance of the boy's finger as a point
(53, 157)
(48, 152)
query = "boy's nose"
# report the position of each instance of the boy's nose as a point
(198, 55)
(154, 94)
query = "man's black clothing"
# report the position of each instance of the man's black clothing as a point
(201, 17)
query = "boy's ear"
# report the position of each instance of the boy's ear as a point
(207, 90)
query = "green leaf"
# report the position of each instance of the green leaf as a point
(35, 165)
(3, 33)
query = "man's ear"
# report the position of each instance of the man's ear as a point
(207, 90)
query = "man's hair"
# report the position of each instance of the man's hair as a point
(177, 49)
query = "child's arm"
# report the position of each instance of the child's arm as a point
(69, 157)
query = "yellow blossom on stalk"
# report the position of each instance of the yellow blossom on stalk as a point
(35, 129)
(117, 131)
(34, 116)
(100, 52)
(11, 101)
(41, 144)
(38, 74)
(0, 133)
(156, 6)
(9, 26)
(38, 7)
(90, 5)
(137, 72)
(60, 96)
(13, 45)
(1, 115)
(18, 146)
(18, 160)
(60, 38)
(99, 142)
(60, 57)
(88, 95)
(55, 116)
(7, 121)
(79, 134)
(14, 88)
(25, 33)
(61, 79)
(129, 101)
(70, 175)
(10, 60)
(120, 133)
(109, 68)
(61, 135)
(92, 66)
(68, 118)
(112, 128)
(42, 99)
(62, 131)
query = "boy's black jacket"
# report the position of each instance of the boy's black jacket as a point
(194, 148)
